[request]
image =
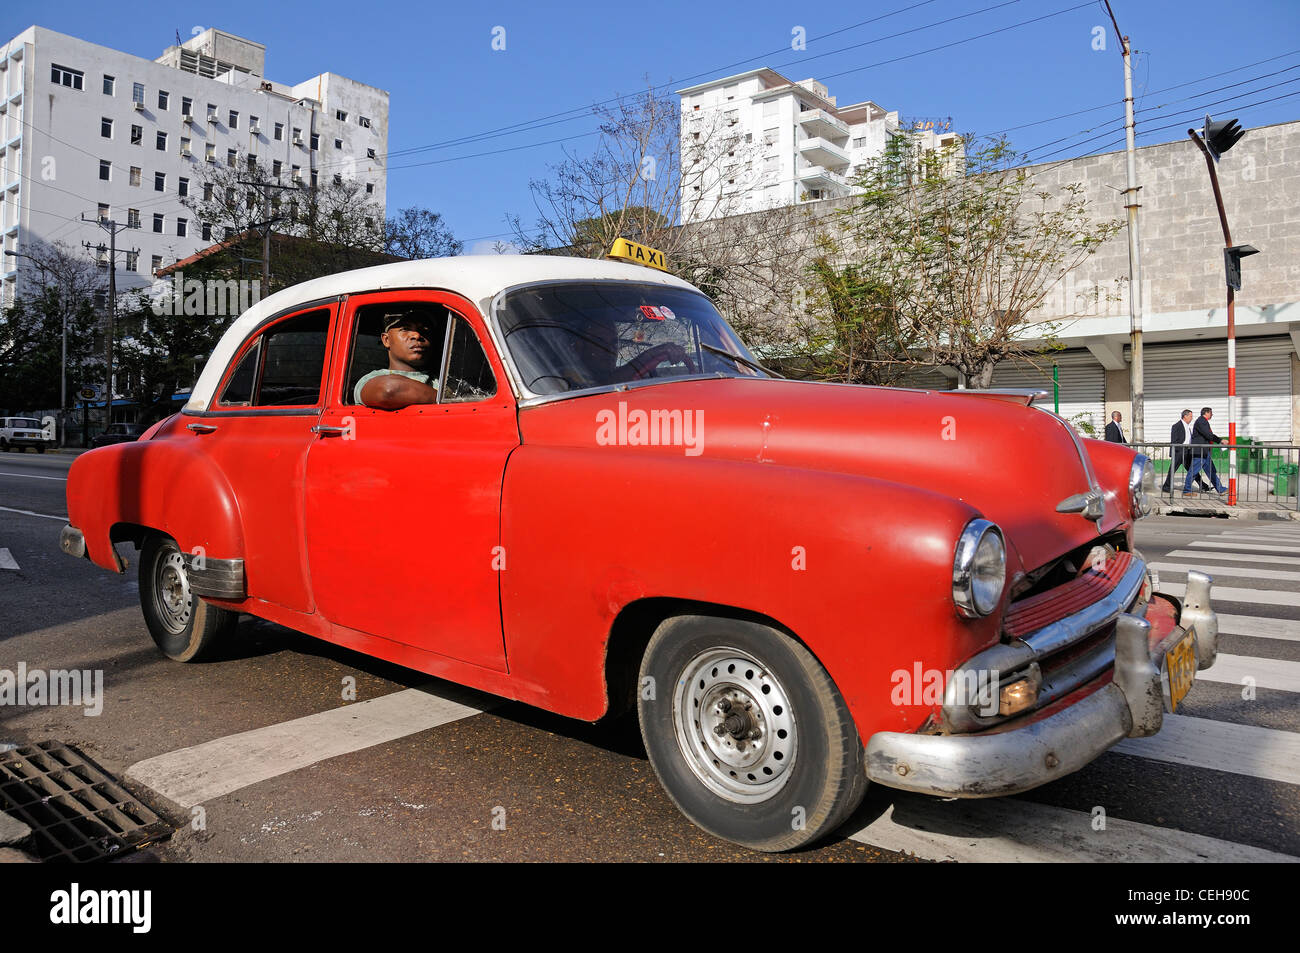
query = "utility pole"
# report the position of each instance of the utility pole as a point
(112, 227)
(1134, 245)
(265, 225)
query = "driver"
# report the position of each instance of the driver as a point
(407, 338)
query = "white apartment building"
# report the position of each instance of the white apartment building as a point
(785, 142)
(90, 131)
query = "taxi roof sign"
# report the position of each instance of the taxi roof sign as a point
(625, 250)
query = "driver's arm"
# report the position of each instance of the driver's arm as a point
(395, 391)
(648, 360)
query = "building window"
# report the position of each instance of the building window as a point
(160, 181)
(67, 77)
(859, 142)
(370, 153)
(135, 175)
(230, 195)
(252, 124)
(206, 232)
(279, 131)
(137, 93)
(313, 178)
(363, 122)
(182, 227)
(106, 128)
(161, 142)
(252, 163)
(158, 222)
(187, 106)
(212, 112)
(207, 191)
(276, 166)
(370, 188)
(133, 261)
(210, 152)
(232, 157)
(315, 141)
(105, 169)
(185, 146)
(110, 84)
(297, 135)
(133, 218)
(103, 211)
(155, 264)
(338, 179)
(234, 120)
(338, 143)
(137, 135)
(163, 98)
(297, 174)
(183, 187)
(340, 115)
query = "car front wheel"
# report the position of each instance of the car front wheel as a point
(183, 626)
(747, 733)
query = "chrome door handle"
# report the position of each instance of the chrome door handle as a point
(326, 431)
(200, 428)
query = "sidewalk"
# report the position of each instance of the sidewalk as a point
(1207, 504)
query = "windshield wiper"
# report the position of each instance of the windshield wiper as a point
(754, 365)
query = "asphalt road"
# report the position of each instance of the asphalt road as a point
(461, 776)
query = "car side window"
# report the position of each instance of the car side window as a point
(368, 352)
(469, 375)
(284, 366)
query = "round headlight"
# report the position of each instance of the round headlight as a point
(979, 570)
(1141, 486)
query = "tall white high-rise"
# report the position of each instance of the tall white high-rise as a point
(90, 131)
(759, 140)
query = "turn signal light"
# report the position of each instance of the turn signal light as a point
(1017, 697)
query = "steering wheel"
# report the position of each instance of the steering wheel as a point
(649, 369)
(532, 385)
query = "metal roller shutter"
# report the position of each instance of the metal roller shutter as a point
(1082, 379)
(1178, 376)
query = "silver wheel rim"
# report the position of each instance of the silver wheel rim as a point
(734, 725)
(172, 592)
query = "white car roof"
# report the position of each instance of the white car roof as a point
(480, 278)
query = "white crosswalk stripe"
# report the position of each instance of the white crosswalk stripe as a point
(194, 775)
(1271, 597)
(1271, 673)
(1011, 830)
(1271, 560)
(1246, 547)
(1259, 627)
(1246, 572)
(1240, 749)
(7, 560)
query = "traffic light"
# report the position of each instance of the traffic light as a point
(1232, 263)
(1221, 136)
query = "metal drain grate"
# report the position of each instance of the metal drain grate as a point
(77, 813)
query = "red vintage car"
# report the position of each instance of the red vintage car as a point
(605, 503)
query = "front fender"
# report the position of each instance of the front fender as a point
(859, 569)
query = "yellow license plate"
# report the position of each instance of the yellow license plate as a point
(1180, 670)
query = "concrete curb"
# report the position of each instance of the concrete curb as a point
(1207, 508)
(12, 830)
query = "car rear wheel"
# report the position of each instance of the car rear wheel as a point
(747, 733)
(4, 445)
(182, 625)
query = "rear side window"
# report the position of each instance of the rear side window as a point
(284, 366)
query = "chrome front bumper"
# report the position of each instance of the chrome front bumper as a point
(1014, 759)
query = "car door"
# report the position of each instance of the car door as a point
(257, 434)
(403, 506)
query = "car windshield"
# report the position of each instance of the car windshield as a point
(27, 423)
(567, 336)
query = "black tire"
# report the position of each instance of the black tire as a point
(797, 779)
(183, 626)
(40, 449)
(4, 445)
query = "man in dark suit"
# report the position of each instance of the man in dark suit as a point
(1114, 432)
(1202, 437)
(1180, 452)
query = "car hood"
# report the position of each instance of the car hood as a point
(1013, 463)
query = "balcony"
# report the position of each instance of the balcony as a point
(819, 177)
(818, 122)
(824, 152)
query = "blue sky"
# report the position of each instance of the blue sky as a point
(447, 83)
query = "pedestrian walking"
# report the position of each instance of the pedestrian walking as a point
(1180, 451)
(1202, 438)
